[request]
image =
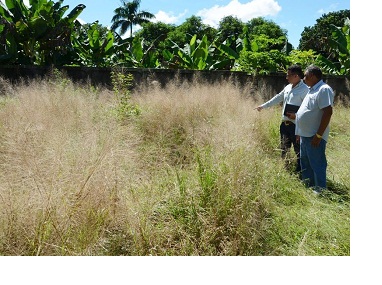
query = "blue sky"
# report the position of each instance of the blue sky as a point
(290, 15)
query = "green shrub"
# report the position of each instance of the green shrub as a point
(122, 84)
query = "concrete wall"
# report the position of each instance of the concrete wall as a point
(101, 76)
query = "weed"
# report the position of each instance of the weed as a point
(122, 84)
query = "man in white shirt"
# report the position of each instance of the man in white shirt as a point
(312, 126)
(293, 94)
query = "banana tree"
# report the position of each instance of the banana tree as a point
(193, 55)
(340, 44)
(93, 45)
(37, 34)
(134, 52)
(200, 55)
(8, 45)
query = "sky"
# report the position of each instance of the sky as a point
(291, 15)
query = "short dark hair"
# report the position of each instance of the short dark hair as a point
(296, 69)
(315, 70)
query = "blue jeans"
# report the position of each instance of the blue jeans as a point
(313, 163)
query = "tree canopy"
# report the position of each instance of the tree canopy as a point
(317, 37)
(190, 27)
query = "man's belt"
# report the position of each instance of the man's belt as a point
(287, 123)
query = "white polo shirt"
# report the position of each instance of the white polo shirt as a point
(308, 117)
(289, 95)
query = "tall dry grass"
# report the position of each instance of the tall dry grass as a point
(196, 172)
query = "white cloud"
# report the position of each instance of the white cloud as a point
(164, 17)
(168, 18)
(331, 8)
(244, 12)
(82, 22)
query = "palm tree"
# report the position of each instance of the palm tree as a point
(128, 15)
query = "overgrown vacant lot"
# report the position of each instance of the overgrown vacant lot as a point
(191, 169)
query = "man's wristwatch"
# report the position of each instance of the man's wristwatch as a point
(317, 135)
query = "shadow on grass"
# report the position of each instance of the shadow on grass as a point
(336, 191)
